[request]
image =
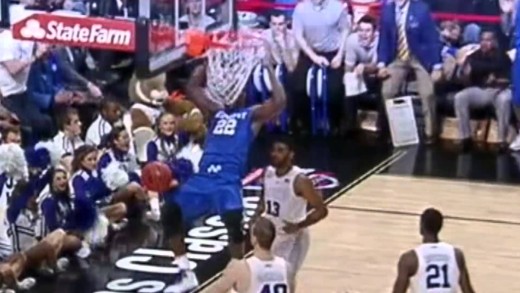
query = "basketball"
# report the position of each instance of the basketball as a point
(156, 176)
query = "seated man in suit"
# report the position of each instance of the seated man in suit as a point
(409, 42)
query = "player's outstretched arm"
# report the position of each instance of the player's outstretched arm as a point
(404, 272)
(196, 92)
(274, 106)
(305, 188)
(464, 282)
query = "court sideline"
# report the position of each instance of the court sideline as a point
(379, 219)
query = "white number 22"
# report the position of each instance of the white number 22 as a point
(225, 127)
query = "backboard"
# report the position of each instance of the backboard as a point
(161, 28)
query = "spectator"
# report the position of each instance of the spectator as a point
(321, 28)
(111, 113)
(488, 70)
(282, 44)
(195, 17)
(68, 138)
(361, 59)
(11, 135)
(16, 59)
(409, 42)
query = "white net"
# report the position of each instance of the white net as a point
(230, 64)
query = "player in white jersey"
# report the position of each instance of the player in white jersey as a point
(263, 272)
(286, 194)
(434, 266)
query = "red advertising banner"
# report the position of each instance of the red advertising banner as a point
(88, 32)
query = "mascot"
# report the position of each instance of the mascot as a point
(191, 127)
(148, 97)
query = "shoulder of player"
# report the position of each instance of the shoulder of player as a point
(459, 257)
(409, 261)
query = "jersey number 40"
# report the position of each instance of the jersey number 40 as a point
(437, 276)
(225, 127)
(275, 288)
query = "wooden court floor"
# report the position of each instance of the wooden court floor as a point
(357, 247)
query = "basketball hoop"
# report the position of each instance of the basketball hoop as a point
(231, 57)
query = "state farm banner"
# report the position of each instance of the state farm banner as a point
(87, 32)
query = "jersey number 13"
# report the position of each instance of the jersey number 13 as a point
(225, 127)
(437, 276)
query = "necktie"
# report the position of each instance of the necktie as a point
(402, 51)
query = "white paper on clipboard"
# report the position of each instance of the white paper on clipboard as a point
(401, 118)
(354, 84)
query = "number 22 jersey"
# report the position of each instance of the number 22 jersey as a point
(227, 145)
(438, 271)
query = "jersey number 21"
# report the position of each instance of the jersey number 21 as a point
(437, 276)
(225, 127)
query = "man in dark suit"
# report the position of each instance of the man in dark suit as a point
(409, 41)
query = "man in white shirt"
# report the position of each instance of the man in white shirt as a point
(282, 44)
(196, 18)
(16, 59)
(110, 114)
(68, 138)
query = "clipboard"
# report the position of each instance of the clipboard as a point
(401, 119)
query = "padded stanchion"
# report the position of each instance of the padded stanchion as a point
(317, 92)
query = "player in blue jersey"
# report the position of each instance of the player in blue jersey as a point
(217, 187)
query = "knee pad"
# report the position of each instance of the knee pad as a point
(171, 219)
(233, 222)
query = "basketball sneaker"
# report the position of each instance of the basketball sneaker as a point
(26, 284)
(187, 283)
(515, 145)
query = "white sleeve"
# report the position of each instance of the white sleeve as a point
(92, 138)
(7, 47)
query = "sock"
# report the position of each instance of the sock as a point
(154, 205)
(183, 262)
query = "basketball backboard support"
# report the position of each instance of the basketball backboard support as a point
(162, 24)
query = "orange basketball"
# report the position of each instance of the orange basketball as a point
(156, 176)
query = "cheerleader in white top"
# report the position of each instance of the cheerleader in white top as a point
(118, 155)
(13, 167)
(165, 146)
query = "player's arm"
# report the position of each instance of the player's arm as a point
(196, 92)
(229, 278)
(305, 188)
(274, 106)
(464, 281)
(260, 209)
(404, 272)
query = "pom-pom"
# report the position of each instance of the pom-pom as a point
(114, 177)
(54, 151)
(37, 158)
(12, 161)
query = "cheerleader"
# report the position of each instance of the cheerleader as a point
(118, 152)
(22, 213)
(77, 216)
(42, 255)
(86, 183)
(166, 144)
(13, 167)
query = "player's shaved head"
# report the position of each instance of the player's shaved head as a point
(431, 221)
(264, 232)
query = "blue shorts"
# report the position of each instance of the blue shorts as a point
(201, 196)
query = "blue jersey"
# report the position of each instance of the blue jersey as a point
(227, 145)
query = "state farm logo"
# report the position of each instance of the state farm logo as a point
(77, 31)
